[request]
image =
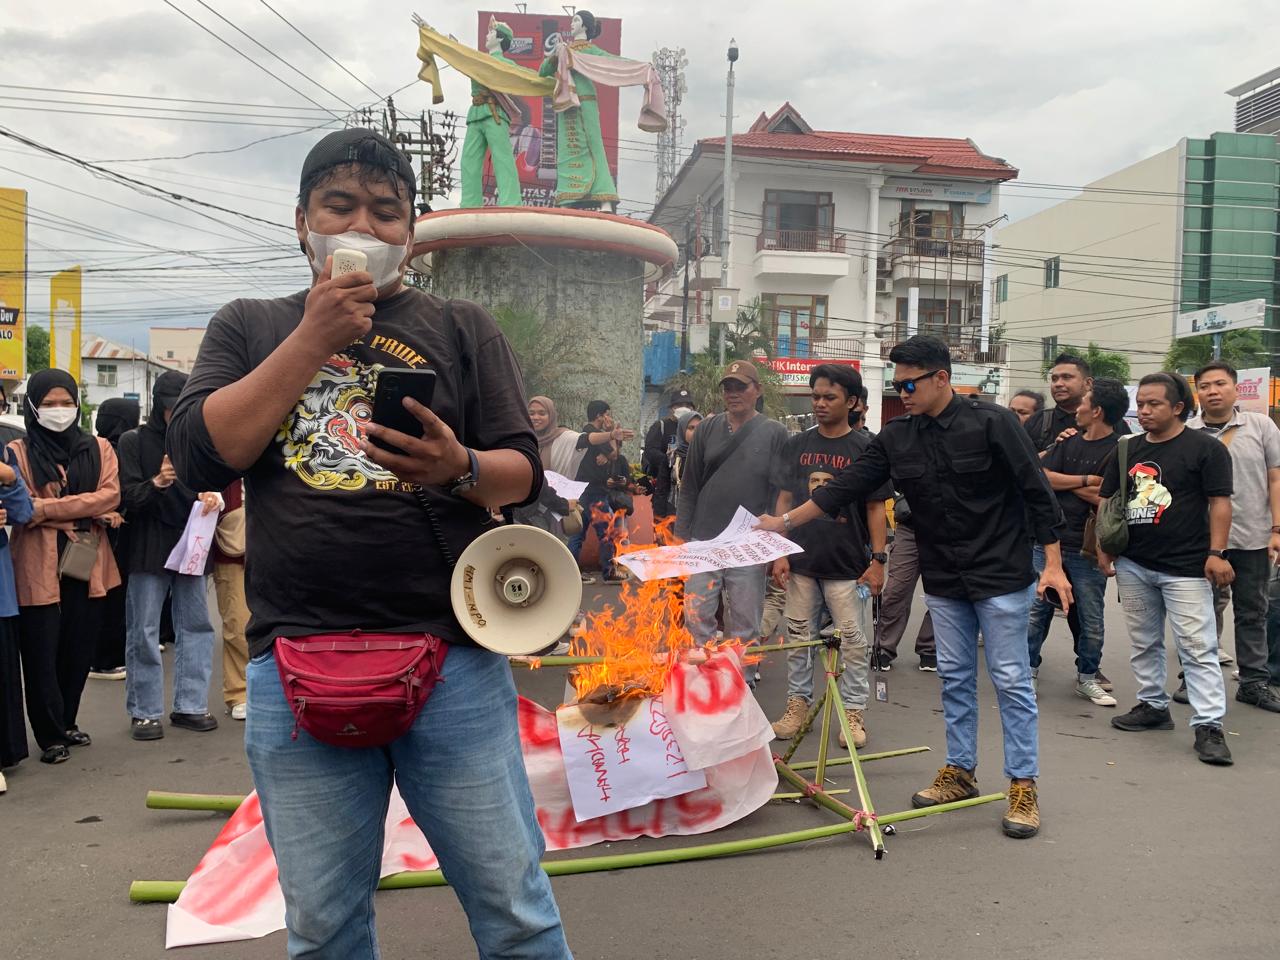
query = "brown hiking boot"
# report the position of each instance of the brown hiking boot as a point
(1023, 818)
(951, 784)
(856, 727)
(789, 724)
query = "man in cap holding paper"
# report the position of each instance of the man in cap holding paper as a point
(730, 464)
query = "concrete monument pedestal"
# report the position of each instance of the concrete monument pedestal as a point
(568, 266)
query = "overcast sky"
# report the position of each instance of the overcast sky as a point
(1064, 92)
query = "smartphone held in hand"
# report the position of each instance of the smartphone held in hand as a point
(388, 401)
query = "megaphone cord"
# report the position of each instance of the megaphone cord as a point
(436, 532)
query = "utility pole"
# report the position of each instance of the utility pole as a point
(726, 220)
(430, 138)
(684, 305)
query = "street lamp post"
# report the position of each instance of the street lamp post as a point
(726, 220)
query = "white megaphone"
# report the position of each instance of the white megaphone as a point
(516, 590)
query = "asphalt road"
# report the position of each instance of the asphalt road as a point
(1144, 852)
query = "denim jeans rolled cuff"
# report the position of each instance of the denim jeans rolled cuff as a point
(1003, 622)
(1147, 596)
(193, 653)
(742, 591)
(1088, 587)
(805, 599)
(461, 775)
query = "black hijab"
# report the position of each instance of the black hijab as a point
(72, 449)
(116, 417)
(174, 502)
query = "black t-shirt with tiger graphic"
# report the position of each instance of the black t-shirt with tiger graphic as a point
(336, 542)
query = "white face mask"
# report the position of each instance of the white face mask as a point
(384, 258)
(57, 419)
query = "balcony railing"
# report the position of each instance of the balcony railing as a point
(950, 243)
(965, 346)
(801, 241)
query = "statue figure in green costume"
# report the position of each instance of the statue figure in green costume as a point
(489, 131)
(582, 175)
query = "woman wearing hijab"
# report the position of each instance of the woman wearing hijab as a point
(558, 445)
(115, 418)
(158, 506)
(15, 509)
(75, 488)
(686, 423)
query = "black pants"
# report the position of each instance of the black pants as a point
(1248, 597)
(57, 642)
(109, 651)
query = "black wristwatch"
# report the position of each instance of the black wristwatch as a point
(1220, 554)
(880, 557)
(460, 485)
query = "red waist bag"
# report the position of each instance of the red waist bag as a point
(358, 689)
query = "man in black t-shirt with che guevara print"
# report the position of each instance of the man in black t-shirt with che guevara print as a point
(1177, 495)
(836, 561)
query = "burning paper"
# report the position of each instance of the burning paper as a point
(738, 545)
(621, 756)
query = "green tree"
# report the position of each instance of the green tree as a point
(1240, 348)
(549, 357)
(1103, 363)
(747, 338)
(37, 348)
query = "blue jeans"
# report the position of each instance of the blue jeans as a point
(462, 776)
(1147, 596)
(1089, 587)
(192, 658)
(1003, 621)
(596, 500)
(742, 592)
(805, 597)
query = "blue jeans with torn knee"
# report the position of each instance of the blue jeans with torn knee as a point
(1003, 621)
(461, 774)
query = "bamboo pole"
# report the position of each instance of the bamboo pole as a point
(802, 796)
(533, 663)
(888, 818)
(222, 803)
(862, 758)
(859, 778)
(167, 891)
(819, 796)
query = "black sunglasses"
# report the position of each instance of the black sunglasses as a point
(909, 386)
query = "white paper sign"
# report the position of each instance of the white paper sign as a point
(192, 551)
(1254, 389)
(618, 767)
(564, 487)
(738, 545)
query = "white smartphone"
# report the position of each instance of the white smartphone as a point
(348, 261)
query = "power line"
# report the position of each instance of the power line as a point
(321, 49)
(241, 53)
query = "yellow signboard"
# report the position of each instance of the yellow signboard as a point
(13, 283)
(64, 321)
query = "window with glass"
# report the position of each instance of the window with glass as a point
(1052, 272)
(1048, 348)
(108, 375)
(934, 317)
(798, 220)
(796, 323)
(1002, 288)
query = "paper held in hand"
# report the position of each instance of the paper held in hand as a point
(738, 545)
(189, 556)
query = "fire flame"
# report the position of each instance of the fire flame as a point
(641, 639)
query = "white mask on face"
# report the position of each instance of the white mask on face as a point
(57, 419)
(384, 258)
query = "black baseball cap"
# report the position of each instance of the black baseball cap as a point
(679, 397)
(357, 145)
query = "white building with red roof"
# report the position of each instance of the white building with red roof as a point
(849, 241)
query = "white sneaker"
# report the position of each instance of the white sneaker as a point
(1088, 688)
(4, 787)
(239, 711)
(1225, 658)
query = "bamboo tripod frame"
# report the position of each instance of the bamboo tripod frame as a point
(855, 820)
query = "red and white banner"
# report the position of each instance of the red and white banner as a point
(234, 893)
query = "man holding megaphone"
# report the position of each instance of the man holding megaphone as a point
(352, 539)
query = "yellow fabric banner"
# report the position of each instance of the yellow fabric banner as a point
(64, 321)
(485, 70)
(13, 283)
